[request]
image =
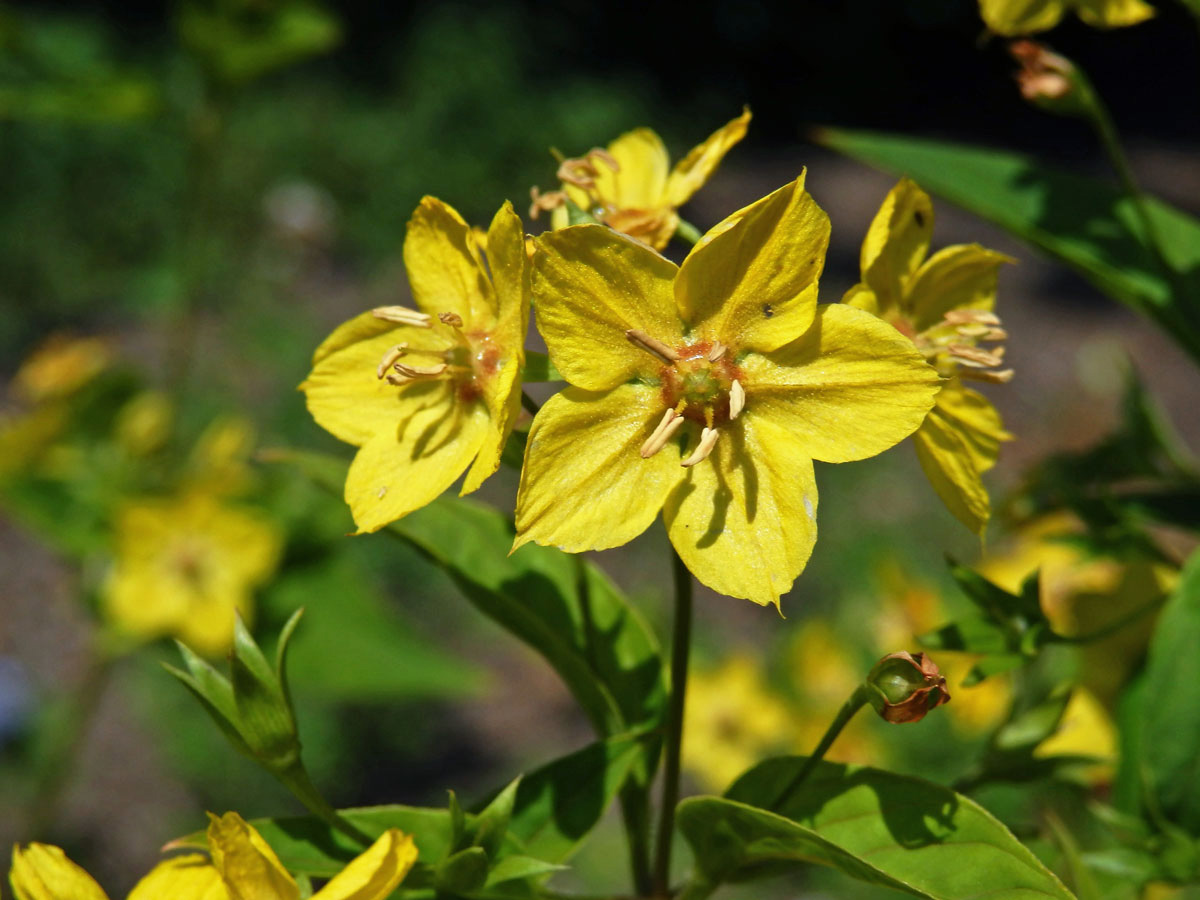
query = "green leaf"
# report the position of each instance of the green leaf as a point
(559, 804)
(879, 827)
(1169, 742)
(1084, 222)
(970, 635)
(465, 871)
(992, 665)
(516, 867)
(539, 368)
(492, 823)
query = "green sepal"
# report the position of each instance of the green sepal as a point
(462, 872)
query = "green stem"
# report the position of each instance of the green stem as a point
(58, 764)
(529, 404)
(856, 702)
(635, 814)
(687, 232)
(681, 640)
(297, 781)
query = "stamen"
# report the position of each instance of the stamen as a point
(421, 371)
(717, 351)
(669, 424)
(708, 440)
(737, 399)
(548, 201)
(1004, 376)
(454, 320)
(605, 157)
(390, 357)
(976, 357)
(651, 345)
(402, 315)
(578, 172)
(970, 316)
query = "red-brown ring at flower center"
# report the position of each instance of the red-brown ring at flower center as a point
(702, 386)
(474, 365)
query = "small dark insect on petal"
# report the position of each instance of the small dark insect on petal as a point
(768, 310)
(920, 218)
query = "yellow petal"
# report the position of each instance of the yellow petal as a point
(503, 388)
(896, 242)
(851, 387)
(374, 874)
(590, 286)
(1114, 13)
(248, 865)
(344, 393)
(973, 416)
(187, 877)
(1014, 17)
(444, 268)
(862, 297)
(751, 282)
(958, 277)
(745, 519)
(641, 178)
(403, 468)
(691, 172)
(43, 872)
(584, 485)
(947, 463)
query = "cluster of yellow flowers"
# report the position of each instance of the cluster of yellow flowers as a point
(239, 864)
(704, 390)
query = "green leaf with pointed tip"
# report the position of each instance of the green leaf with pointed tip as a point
(1085, 223)
(515, 867)
(215, 712)
(492, 822)
(879, 827)
(281, 650)
(263, 717)
(1169, 739)
(969, 635)
(463, 872)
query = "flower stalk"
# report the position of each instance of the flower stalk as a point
(849, 709)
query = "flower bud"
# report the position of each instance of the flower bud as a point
(1048, 80)
(903, 687)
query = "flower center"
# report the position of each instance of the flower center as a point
(701, 383)
(473, 358)
(954, 344)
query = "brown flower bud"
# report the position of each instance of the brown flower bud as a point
(903, 687)
(1044, 76)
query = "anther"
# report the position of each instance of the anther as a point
(669, 424)
(578, 172)
(605, 157)
(717, 351)
(651, 345)
(402, 315)
(548, 201)
(1004, 376)
(708, 440)
(390, 357)
(970, 316)
(737, 399)
(454, 320)
(421, 371)
(976, 357)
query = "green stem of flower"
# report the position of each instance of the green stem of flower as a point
(687, 232)
(856, 702)
(681, 640)
(58, 764)
(529, 404)
(296, 780)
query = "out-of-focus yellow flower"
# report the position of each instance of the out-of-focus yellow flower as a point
(242, 866)
(824, 676)
(60, 366)
(220, 460)
(977, 708)
(732, 721)
(1081, 594)
(706, 391)
(629, 186)
(25, 437)
(143, 424)
(944, 305)
(184, 565)
(1014, 17)
(426, 394)
(1084, 730)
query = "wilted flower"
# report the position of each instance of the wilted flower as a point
(629, 187)
(242, 865)
(184, 565)
(1013, 17)
(903, 687)
(944, 305)
(706, 390)
(424, 394)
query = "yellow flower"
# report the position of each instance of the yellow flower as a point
(1084, 730)
(184, 565)
(629, 187)
(944, 305)
(243, 867)
(424, 393)
(706, 390)
(61, 366)
(732, 721)
(1013, 17)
